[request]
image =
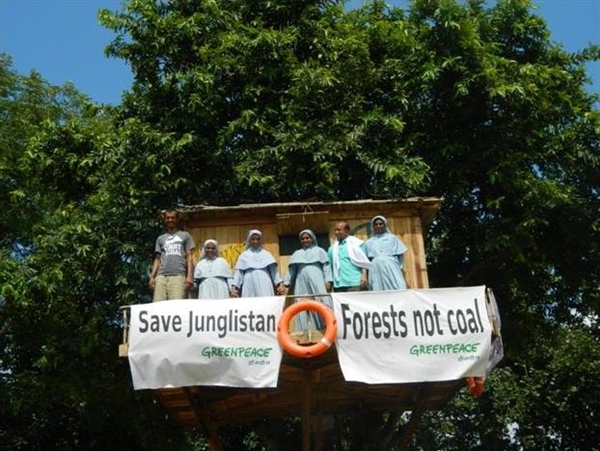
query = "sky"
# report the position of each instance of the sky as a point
(64, 41)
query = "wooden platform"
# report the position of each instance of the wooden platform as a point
(305, 386)
(308, 389)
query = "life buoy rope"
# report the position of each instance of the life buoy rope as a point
(317, 348)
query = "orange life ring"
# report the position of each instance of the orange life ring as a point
(475, 385)
(315, 349)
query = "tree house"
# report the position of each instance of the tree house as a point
(312, 389)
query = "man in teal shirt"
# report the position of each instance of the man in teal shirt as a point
(348, 262)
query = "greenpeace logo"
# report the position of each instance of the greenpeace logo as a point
(448, 348)
(240, 351)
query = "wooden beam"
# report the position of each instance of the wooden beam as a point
(409, 428)
(207, 425)
(306, 400)
(319, 431)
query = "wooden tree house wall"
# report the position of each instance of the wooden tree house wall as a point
(281, 223)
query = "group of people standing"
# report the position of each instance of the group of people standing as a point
(350, 264)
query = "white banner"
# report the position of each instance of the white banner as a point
(186, 342)
(412, 336)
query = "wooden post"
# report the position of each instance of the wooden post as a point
(306, 400)
(203, 415)
(319, 431)
(408, 430)
(124, 347)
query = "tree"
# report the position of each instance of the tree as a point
(260, 88)
(67, 263)
(471, 103)
(237, 101)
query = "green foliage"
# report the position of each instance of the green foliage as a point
(237, 101)
(68, 262)
(529, 405)
(285, 98)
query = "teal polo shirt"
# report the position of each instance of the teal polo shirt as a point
(349, 274)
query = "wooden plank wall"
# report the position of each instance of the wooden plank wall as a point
(230, 229)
